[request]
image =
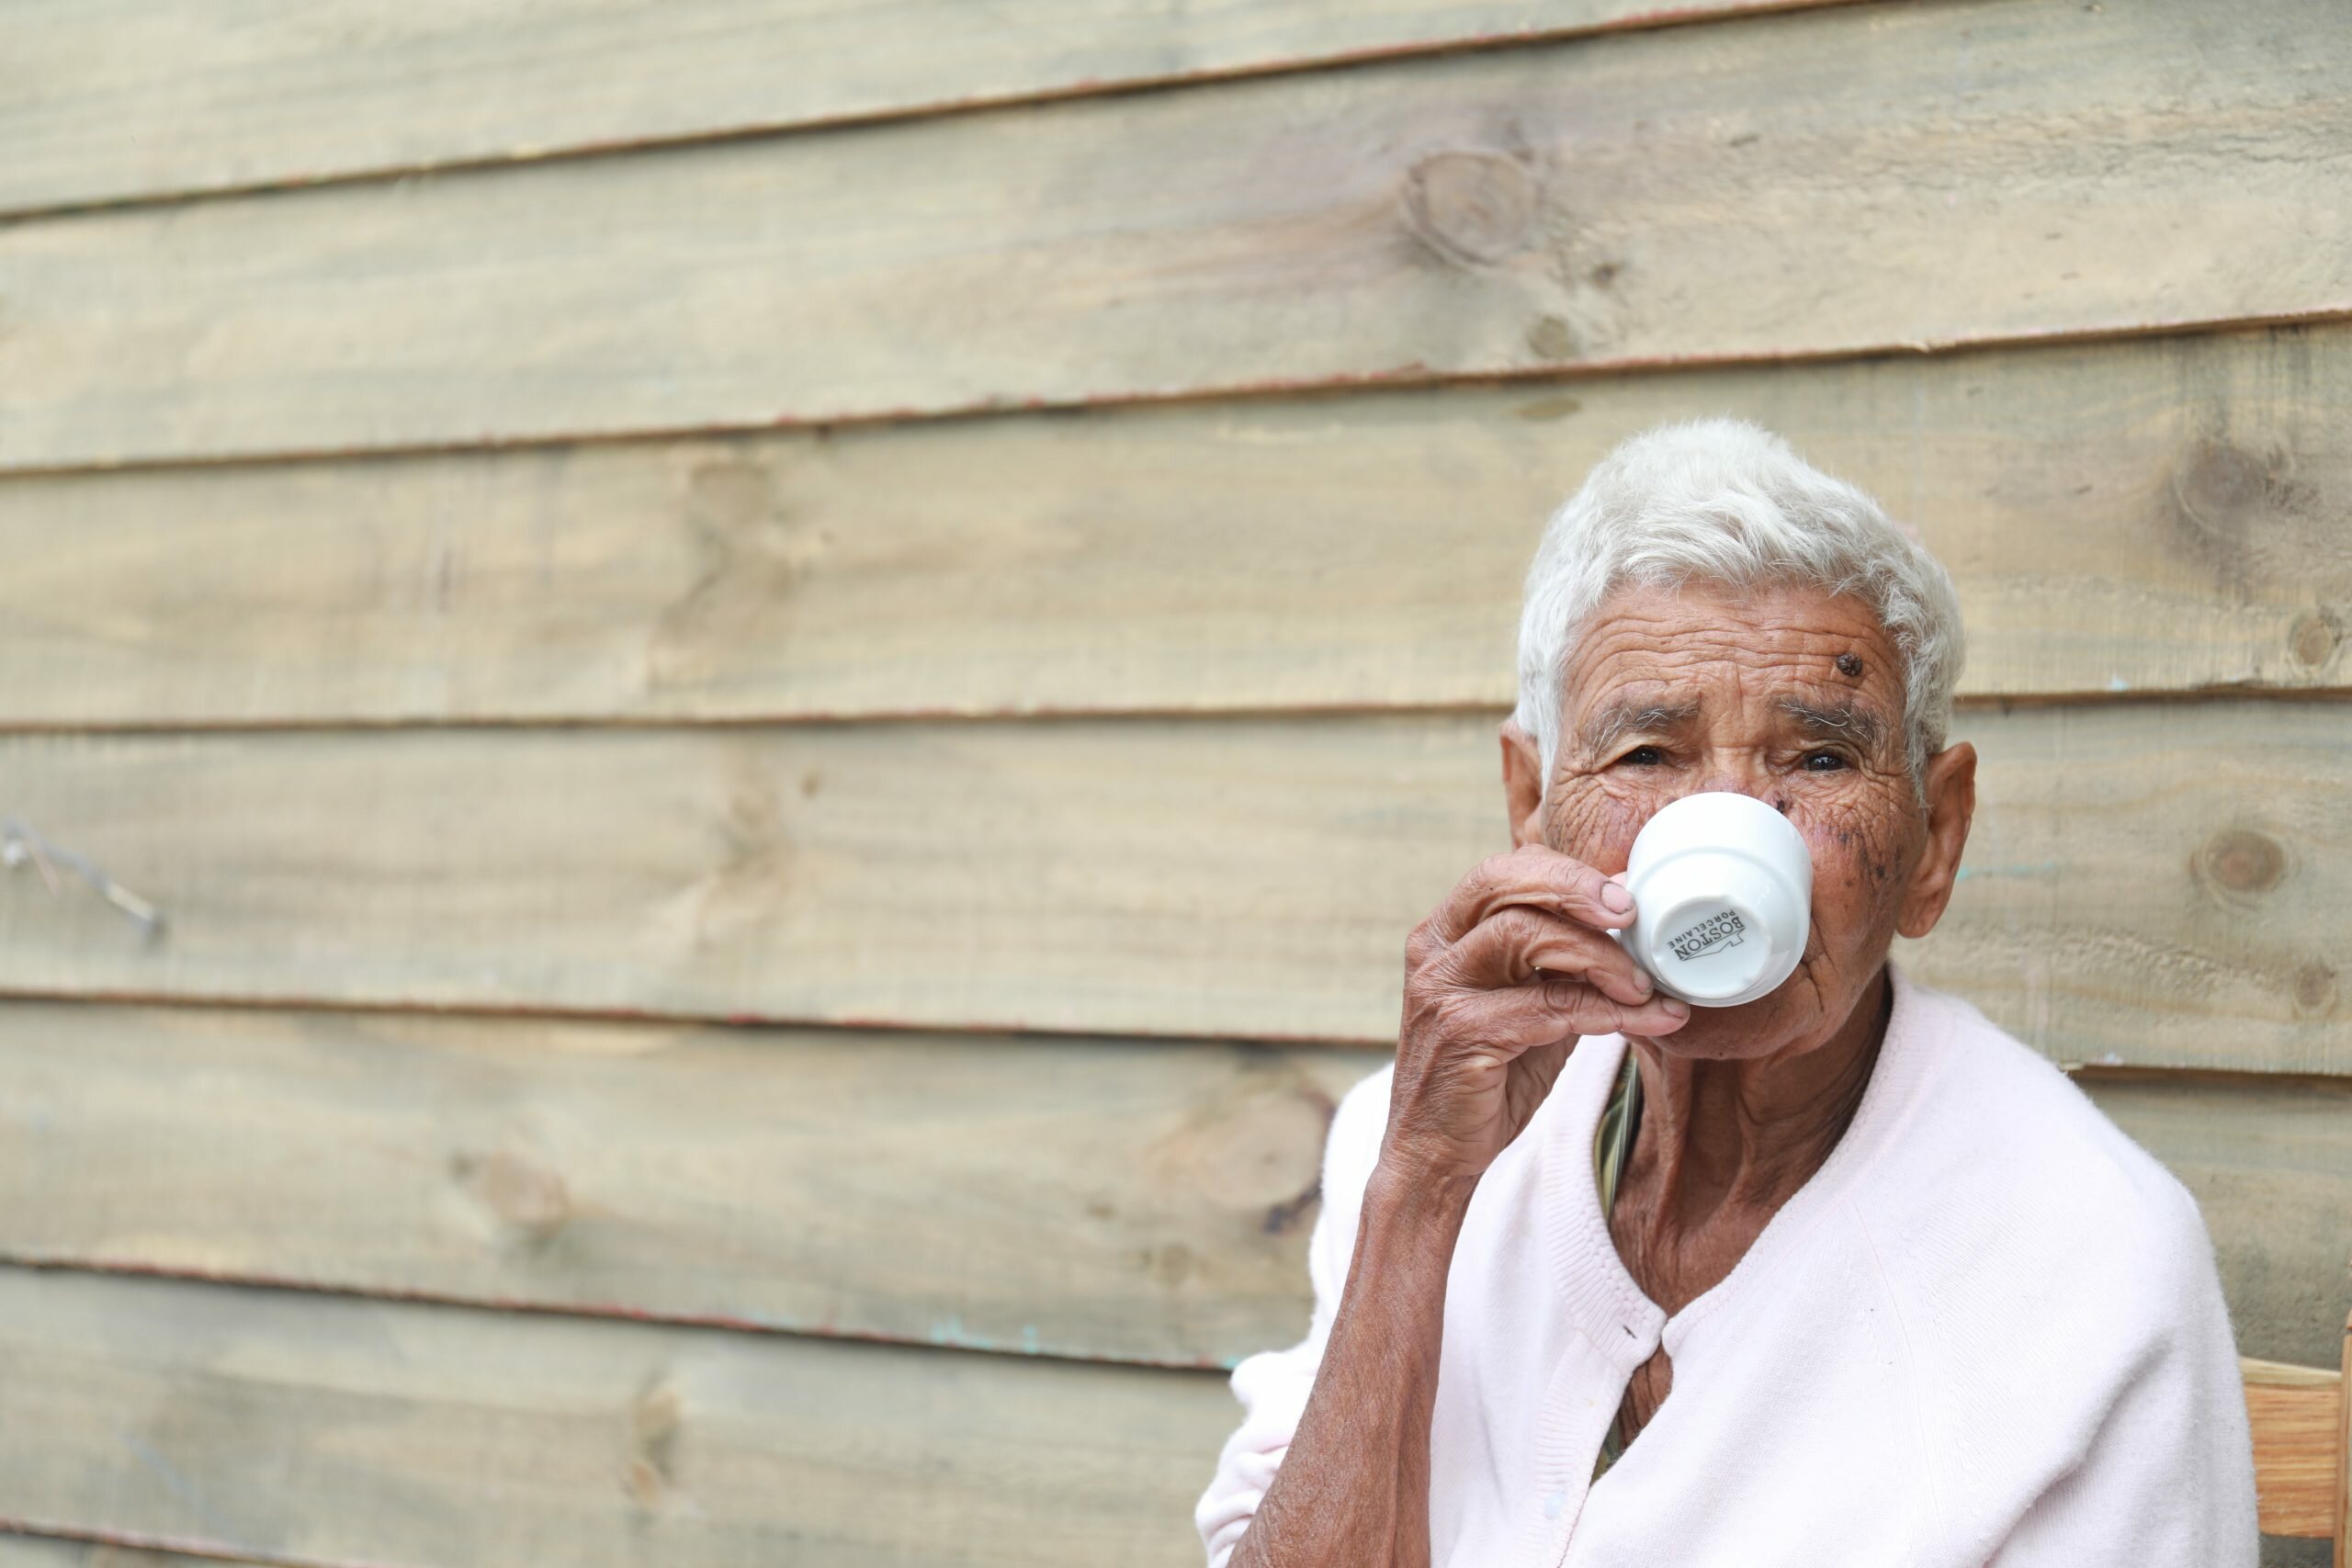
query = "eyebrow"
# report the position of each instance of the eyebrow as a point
(1846, 721)
(1600, 732)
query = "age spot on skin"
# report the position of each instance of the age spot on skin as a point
(1849, 664)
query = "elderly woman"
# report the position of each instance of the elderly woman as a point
(1845, 1274)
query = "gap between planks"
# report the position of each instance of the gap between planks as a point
(1206, 713)
(1413, 378)
(942, 108)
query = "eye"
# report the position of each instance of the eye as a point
(1642, 756)
(1836, 760)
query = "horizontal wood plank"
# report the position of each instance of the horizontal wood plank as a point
(323, 1429)
(2157, 515)
(1813, 184)
(326, 1431)
(1115, 1200)
(2298, 1417)
(2147, 885)
(1093, 1200)
(137, 99)
(19, 1551)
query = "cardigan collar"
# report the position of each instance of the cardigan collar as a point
(1602, 1298)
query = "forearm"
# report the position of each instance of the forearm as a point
(1355, 1485)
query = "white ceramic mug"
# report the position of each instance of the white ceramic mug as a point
(1723, 898)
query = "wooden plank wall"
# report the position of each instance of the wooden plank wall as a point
(786, 731)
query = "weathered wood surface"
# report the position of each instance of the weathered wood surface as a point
(2297, 1413)
(2148, 885)
(1107, 876)
(2159, 515)
(1104, 1201)
(1824, 182)
(56, 1552)
(2139, 890)
(425, 1435)
(1116, 1201)
(132, 98)
(327, 1429)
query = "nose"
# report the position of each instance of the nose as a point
(1746, 776)
(1749, 779)
(1762, 789)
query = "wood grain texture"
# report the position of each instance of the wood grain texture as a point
(1108, 1200)
(18, 1550)
(324, 1429)
(199, 1414)
(2297, 1414)
(2147, 885)
(1819, 183)
(2138, 891)
(2156, 515)
(1100, 876)
(2343, 1522)
(131, 98)
(1111, 1200)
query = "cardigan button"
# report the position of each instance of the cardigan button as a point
(1554, 1504)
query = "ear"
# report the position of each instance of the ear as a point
(1952, 803)
(1522, 783)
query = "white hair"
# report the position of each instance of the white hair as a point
(1728, 503)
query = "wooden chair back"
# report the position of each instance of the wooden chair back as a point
(2302, 1448)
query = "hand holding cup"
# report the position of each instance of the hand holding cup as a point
(1500, 980)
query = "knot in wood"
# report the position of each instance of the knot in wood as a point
(2313, 637)
(2315, 990)
(525, 1194)
(1471, 207)
(653, 1458)
(2222, 491)
(2243, 860)
(1255, 1144)
(2220, 482)
(1171, 1265)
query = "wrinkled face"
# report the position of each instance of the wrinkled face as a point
(1788, 694)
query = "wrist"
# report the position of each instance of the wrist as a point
(1413, 1194)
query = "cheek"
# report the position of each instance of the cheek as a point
(1595, 822)
(1858, 856)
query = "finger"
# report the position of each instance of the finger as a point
(1537, 877)
(1539, 1013)
(1511, 947)
(1516, 944)
(1424, 944)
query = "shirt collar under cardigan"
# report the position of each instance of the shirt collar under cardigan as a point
(1603, 1299)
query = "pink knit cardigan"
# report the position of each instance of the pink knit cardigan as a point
(1988, 1330)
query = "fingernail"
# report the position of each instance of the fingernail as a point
(1677, 1009)
(1613, 894)
(1642, 980)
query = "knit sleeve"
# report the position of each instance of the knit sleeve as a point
(2167, 1480)
(1272, 1386)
